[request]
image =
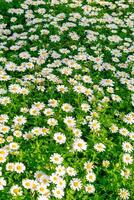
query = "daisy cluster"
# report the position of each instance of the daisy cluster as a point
(66, 99)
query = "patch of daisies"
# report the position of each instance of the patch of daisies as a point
(66, 99)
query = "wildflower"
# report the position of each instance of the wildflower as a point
(19, 167)
(67, 107)
(58, 193)
(99, 147)
(75, 184)
(16, 190)
(127, 147)
(2, 183)
(90, 188)
(127, 159)
(124, 194)
(79, 145)
(70, 122)
(71, 171)
(60, 138)
(56, 158)
(91, 177)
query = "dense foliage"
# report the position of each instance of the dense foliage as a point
(66, 99)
